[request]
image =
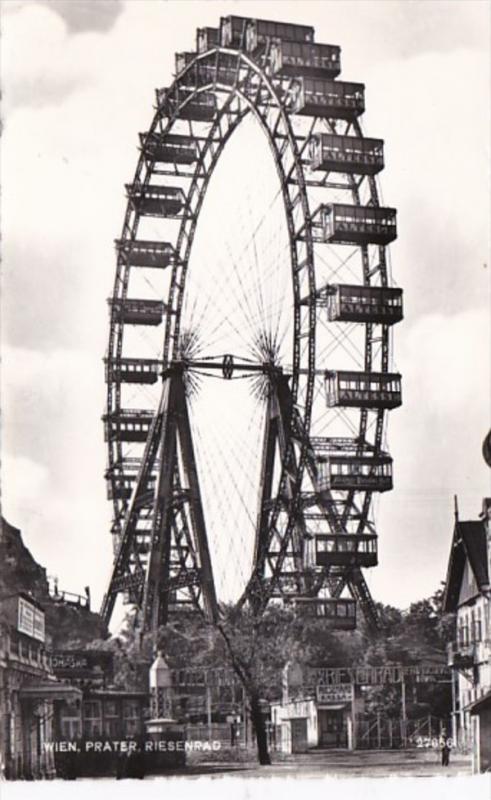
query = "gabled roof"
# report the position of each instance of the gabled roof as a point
(469, 543)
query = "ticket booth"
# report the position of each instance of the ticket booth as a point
(333, 725)
(335, 716)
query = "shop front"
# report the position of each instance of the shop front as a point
(335, 705)
(333, 726)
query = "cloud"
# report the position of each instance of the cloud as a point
(38, 67)
(85, 15)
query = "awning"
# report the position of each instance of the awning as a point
(331, 706)
(50, 691)
(479, 704)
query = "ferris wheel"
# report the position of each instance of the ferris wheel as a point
(249, 366)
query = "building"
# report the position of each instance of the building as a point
(324, 715)
(29, 691)
(68, 616)
(49, 694)
(468, 595)
(481, 733)
(104, 711)
(326, 720)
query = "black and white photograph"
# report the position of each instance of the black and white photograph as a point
(245, 540)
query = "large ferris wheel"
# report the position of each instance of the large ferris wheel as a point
(249, 363)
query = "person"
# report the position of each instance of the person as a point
(445, 747)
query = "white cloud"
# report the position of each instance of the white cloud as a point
(51, 72)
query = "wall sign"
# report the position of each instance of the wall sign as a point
(30, 620)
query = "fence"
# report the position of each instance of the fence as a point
(382, 733)
(228, 734)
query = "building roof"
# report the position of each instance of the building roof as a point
(482, 702)
(50, 690)
(469, 544)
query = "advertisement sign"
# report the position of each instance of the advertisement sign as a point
(334, 694)
(30, 620)
(38, 625)
(93, 665)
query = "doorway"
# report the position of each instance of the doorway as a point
(333, 727)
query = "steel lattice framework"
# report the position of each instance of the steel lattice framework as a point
(323, 444)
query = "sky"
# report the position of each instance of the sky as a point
(78, 82)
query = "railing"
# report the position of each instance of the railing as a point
(461, 655)
(382, 733)
(227, 733)
(69, 597)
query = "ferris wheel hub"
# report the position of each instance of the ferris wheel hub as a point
(228, 364)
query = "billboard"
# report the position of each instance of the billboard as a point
(30, 619)
(95, 666)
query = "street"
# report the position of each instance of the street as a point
(343, 763)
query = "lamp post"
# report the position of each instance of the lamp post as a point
(164, 744)
(161, 691)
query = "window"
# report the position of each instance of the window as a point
(92, 719)
(70, 720)
(477, 635)
(131, 717)
(70, 728)
(460, 632)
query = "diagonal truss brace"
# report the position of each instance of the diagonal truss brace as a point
(283, 428)
(178, 555)
(176, 429)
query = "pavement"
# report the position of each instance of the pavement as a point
(372, 763)
(343, 763)
(340, 763)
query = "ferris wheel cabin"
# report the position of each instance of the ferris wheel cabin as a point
(365, 473)
(363, 389)
(182, 61)
(299, 59)
(353, 154)
(132, 370)
(315, 97)
(130, 425)
(140, 253)
(346, 550)
(358, 225)
(251, 33)
(223, 69)
(350, 303)
(120, 487)
(339, 613)
(200, 107)
(152, 200)
(137, 312)
(169, 149)
(207, 38)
